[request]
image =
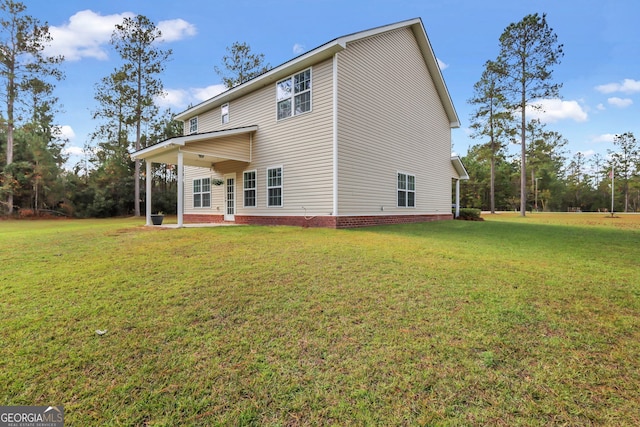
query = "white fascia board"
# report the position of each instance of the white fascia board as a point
(459, 167)
(434, 69)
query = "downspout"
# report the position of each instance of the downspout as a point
(335, 134)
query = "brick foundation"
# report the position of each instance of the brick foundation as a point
(339, 221)
(319, 221)
(202, 218)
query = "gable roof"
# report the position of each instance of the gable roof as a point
(326, 51)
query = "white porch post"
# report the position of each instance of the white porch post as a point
(148, 181)
(457, 198)
(180, 188)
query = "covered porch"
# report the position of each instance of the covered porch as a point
(202, 150)
(458, 173)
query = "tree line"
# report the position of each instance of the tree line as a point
(34, 178)
(541, 177)
(106, 182)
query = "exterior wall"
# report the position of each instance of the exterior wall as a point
(390, 120)
(302, 145)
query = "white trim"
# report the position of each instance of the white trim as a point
(255, 188)
(457, 198)
(180, 189)
(406, 190)
(459, 168)
(335, 134)
(191, 132)
(148, 180)
(193, 193)
(227, 216)
(281, 186)
(222, 113)
(292, 97)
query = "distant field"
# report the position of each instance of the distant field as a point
(511, 321)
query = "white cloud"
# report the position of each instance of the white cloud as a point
(181, 98)
(202, 94)
(298, 48)
(84, 36)
(64, 132)
(442, 65)
(626, 86)
(606, 137)
(74, 150)
(553, 110)
(601, 107)
(620, 102)
(176, 29)
(87, 34)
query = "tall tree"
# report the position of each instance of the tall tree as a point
(240, 65)
(625, 159)
(490, 119)
(22, 41)
(528, 51)
(135, 39)
(546, 158)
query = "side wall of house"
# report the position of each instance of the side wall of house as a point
(390, 120)
(301, 145)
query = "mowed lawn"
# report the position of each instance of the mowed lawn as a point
(511, 321)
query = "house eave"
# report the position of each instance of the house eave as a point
(305, 60)
(326, 51)
(180, 141)
(459, 168)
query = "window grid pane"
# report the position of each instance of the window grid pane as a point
(274, 187)
(249, 184)
(303, 102)
(293, 95)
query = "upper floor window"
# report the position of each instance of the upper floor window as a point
(224, 113)
(193, 125)
(406, 190)
(293, 95)
(202, 193)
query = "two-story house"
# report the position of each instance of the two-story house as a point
(356, 132)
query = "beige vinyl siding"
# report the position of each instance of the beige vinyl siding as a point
(217, 196)
(390, 120)
(232, 147)
(302, 145)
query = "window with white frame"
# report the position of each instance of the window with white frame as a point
(249, 187)
(293, 95)
(193, 125)
(224, 113)
(202, 193)
(406, 190)
(274, 186)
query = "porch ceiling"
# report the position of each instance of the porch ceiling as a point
(203, 149)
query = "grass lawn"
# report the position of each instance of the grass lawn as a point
(511, 321)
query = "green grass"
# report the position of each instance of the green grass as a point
(511, 321)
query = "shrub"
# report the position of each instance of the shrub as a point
(469, 214)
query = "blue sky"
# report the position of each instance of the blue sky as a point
(600, 71)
